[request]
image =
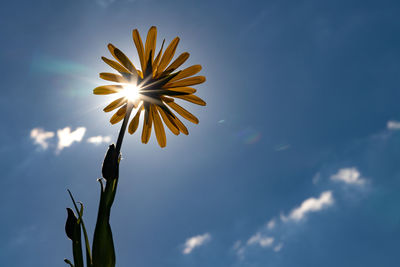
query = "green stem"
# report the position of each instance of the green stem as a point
(87, 244)
(103, 244)
(123, 127)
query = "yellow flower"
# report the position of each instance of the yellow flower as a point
(151, 89)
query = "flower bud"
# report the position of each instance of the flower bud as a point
(73, 231)
(110, 167)
(71, 225)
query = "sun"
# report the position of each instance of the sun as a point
(130, 92)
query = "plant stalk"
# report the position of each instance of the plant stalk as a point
(103, 244)
(123, 127)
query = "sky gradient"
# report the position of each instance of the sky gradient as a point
(295, 161)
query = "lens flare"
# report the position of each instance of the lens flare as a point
(131, 92)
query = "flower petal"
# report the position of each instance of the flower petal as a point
(139, 46)
(157, 84)
(168, 121)
(140, 73)
(149, 66)
(155, 94)
(178, 123)
(158, 127)
(177, 62)
(119, 115)
(150, 46)
(188, 90)
(192, 98)
(122, 111)
(115, 104)
(113, 77)
(107, 89)
(157, 59)
(167, 99)
(168, 55)
(183, 112)
(181, 126)
(122, 58)
(186, 82)
(192, 70)
(125, 61)
(133, 125)
(147, 124)
(115, 65)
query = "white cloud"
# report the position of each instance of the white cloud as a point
(348, 176)
(40, 137)
(195, 241)
(310, 205)
(239, 248)
(240, 252)
(97, 140)
(271, 224)
(263, 237)
(263, 241)
(66, 137)
(393, 125)
(260, 239)
(278, 247)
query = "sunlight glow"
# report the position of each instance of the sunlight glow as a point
(131, 92)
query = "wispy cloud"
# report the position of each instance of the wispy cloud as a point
(274, 235)
(271, 224)
(263, 241)
(237, 244)
(66, 137)
(278, 247)
(349, 176)
(393, 125)
(195, 241)
(40, 137)
(310, 205)
(271, 237)
(282, 147)
(97, 140)
(316, 178)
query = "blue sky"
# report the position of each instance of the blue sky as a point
(294, 161)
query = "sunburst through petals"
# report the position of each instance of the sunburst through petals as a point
(152, 89)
